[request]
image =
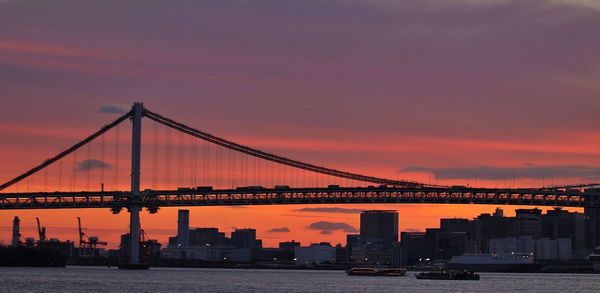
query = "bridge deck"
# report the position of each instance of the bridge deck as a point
(270, 196)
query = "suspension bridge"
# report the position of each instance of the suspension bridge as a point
(212, 171)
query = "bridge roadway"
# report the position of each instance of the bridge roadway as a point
(154, 199)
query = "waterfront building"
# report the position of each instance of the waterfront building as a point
(245, 238)
(540, 249)
(203, 236)
(379, 227)
(183, 228)
(559, 223)
(414, 247)
(529, 222)
(316, 253)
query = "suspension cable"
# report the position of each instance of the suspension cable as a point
(271, 157)
(61, 155)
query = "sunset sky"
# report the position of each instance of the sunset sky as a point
(486, 93)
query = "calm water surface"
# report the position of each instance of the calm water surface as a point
(101, 279)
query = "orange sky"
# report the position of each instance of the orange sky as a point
(101, 222)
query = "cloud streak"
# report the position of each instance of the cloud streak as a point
(529, 171)
(92, 164)
(279, 230)
(327, 228)
(113, 108)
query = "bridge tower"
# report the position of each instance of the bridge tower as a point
(135, 200)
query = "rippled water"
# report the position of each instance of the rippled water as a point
(101, 279)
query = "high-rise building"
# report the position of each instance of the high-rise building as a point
(559, 223)
(244, 238)
(183, 228)
(529, 222)
(16, 234)
(490, 227)
(414, 247)
(379, 227)
(465, 226)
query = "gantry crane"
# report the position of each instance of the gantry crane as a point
(87, 248)
(41, 231)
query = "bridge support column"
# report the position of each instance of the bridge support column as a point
(136, 199)
(134, 234)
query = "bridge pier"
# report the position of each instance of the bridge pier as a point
(134, 233)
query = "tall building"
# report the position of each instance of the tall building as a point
(183, 228)
(559, 223)
(529, 222)
(492, 226)
(16, 234)
(414, 247)
(244, 238)
(351, 241)
(465, 226)
(379, 227)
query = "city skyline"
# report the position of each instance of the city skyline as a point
(473, 114)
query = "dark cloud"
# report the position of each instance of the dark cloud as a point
(324, 226)
(326, 232)
(113, 108)
(92, 164)
(330, 210)
(497, 173)
(279, 230)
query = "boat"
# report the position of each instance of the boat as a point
(508, 262)
(387, 272)
(448, 275)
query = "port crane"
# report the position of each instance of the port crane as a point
(87, 248)
(41, 231)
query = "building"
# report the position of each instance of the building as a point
(529, 223)
(379, 227)
(316, 253)
(492, 227)
(553, 249)
(245, 238)
(414, 247)
(541, 249)
(351, 241)
(468, 227)
(16, 232)
(510, 245)
(289, 244)
(183, 228)
(559, 223)
(203, 236)
(276, 256)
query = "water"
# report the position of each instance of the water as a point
(101, 279)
